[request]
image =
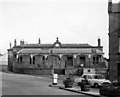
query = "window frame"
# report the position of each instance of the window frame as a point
(119, 44)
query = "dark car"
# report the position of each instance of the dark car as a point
(111, 90)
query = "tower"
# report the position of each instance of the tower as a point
(114, 40)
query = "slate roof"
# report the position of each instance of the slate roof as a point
(60, 51)
(51, 45)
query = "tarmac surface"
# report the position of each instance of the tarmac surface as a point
(76, 89)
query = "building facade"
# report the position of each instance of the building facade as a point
(55, 58)
(114, 40)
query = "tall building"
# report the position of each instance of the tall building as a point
(57, 57)
(114, 39)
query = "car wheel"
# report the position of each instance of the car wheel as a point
(96, 85)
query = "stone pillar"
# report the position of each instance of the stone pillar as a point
(89, 63)
(45, 59)
(74, 59)
(31, 56)
(60, 60)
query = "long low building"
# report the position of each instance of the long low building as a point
(57, 57)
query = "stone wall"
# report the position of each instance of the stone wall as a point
(114, 56)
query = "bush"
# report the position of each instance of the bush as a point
(84, 86)
(68, 82)
(110, 90)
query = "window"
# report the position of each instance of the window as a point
(30, 60)
(119, 44)
(95, 60)
(84, 76)
(82, 60)
(95, 77)
(34, 60)
(20, 59)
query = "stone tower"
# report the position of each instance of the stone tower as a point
(114, 40)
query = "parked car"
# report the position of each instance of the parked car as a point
(111, 90)
(95, 80)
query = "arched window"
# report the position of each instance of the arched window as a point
(19, 59)
(30, 60)
(34, 60)
(119, 44)
(43, 59)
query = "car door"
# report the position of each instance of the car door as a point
(91, 80)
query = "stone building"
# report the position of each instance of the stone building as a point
(57, 57)
(114, 39)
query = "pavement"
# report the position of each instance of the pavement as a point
(94, 92)
(91, 92)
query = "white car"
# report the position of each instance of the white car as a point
(95, 80)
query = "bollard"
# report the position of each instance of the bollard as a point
(55, 77)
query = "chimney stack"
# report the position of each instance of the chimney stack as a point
(15, 42)
(10, 45)
(99, 42)
(22, 42)
(109, 6)
(39, 41)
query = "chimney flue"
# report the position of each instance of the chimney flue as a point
(10, 45)
(39, 41)
(22, 42)
(15, 42)
(99, 42)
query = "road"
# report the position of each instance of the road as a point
(19, 84)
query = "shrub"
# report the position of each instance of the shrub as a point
(68, 82)
(110, 90)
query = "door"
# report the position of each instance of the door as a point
(82, 60)
(69, 62)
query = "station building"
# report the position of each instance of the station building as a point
(60, 58)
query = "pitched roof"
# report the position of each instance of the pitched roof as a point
(51, 45)
(60, 51)
(32, 51)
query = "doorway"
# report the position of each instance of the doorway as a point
(69, 61)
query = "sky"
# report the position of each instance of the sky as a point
(73, 21)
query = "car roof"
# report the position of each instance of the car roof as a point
(91, 74)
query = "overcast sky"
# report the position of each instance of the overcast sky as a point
(73, 21)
